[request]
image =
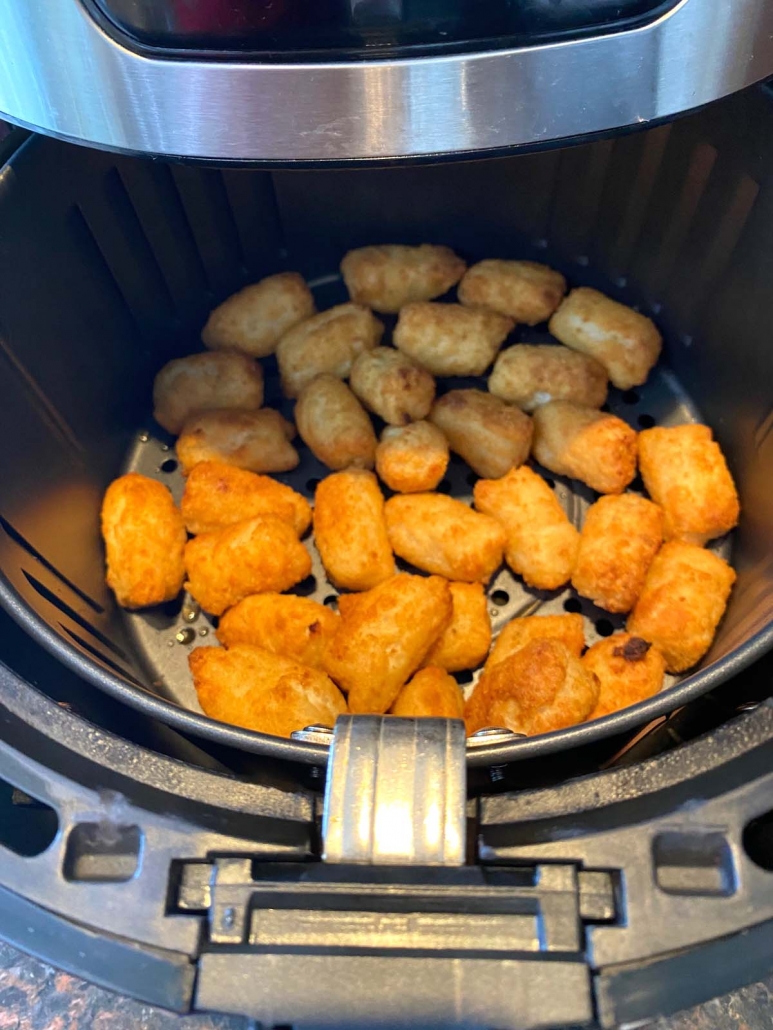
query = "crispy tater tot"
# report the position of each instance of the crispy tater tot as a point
(541, 541)
(392, 386)
(465, 642)
(441, 535)
(388, 277)
(203, 382)
(431, 693)
(335, 425)
(489, 434)
(524, 290)
(251, 557)
(626, 343)
(255, 319)
(350, 530)
(144, 539)
(588, 445)
(412, 459)
(327, 343)
(620, 537)
(217, 496)
(383, 638)
(517, 633)
(532, 374)
(251, 687)
(296, 627)
(682, 601)
(685, 472)
(450, 339)
(628, 669)
(254, 440)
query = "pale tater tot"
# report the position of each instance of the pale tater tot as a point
(628, 669)
(532, 374)
(432, 693)
(203, 382)
(412, 459)
(261, 554)
(465, 642)
(295, 627)
(350, 530)
(255, 319)
(685, 472)
(626, 343)
(541, 541)
(383, 638)
(489, 434)
(392, 386)
(251, 687)
(144, 539)
(451, 339)
(327, 343)
(335, 425)
(683, 599)
(589, 445)
(386, 278)
(217, 496)
(524, 290)
(441, 535)
(541, 688)
(517, 633)
(254, 440)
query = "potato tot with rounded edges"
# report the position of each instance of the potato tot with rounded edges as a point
(252, 557)
(335, 425)
(682, 602)
(383, 637)
(251, 687)
(596, 448)
(465, 642)
(204, 382)
(685, 472)
(432, 693)
(517, 633)
(412, 459)
(626, 343)
(386, 278)
(628, 669)
(392, 386)
(541, 542)
(451, 339)
(532, 374)
(490, 435)
(257, 317)
(441, 535)
(255, 440)
(144, 539)
(217, 496)
(523, 290)
(327, 343)
(295, 627)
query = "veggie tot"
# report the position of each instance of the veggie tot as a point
(589, 445)
(681, 604)
(517, 633)
(335, 425)
(542, 543)
(532, 374)
(685, 472)
(254, 440)
(392, 386)
(350, 530)
(628, 669)
(203, 382)
(490, 435)
(451, 339)
(523, 290)
(466, 640)
(411, 459)
(626, 343)
(432, 693)
(284, 624)
(386, 278)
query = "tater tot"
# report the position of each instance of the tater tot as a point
(432, 693)
(251, 557)
(685, 472)
(516, 634)
(450, 339)
(217, 496)
(255, 319)
(327, 343)
(383, 638)
(465, 642)
(392, 386)
(541, 541)
(628, 669)
(412, 459)
(335, 425)
(254, 440)
(524, 290)
(589, 445)
(532, 374)
(489, 434)
(295, 627)
(251, 687)
(682, 602)
(350, 530)
(441, 535)
(626, 343)
(144, 540)
(203, 382)
(386, 278)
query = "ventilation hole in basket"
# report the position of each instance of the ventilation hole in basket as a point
(500, 598)
(472, 478)
(604, 628)
(631, 397)
(312, 484)
(444, 486)
(95, 653)
(331, 601)
(646, 421)
(463, 678)
(757, 841)
(65, 609)
(170, 465)
(571, 604)
(27, 826)
(306, 587)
